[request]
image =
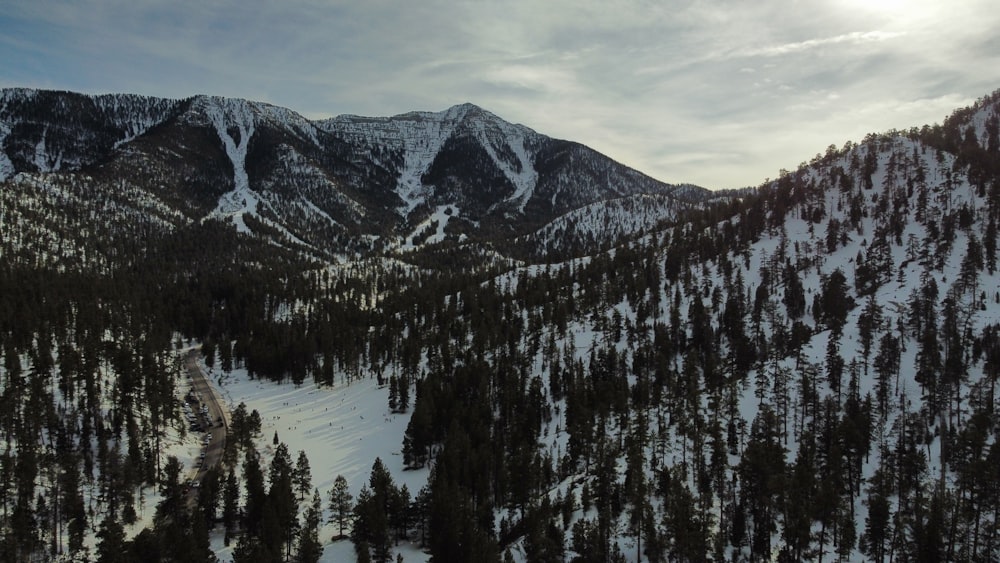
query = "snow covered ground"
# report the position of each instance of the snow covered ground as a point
(341, 429)
(439, 220)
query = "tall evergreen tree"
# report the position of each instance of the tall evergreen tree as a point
(341, 505)
(302, 476)
(310, 549)
(230, 505)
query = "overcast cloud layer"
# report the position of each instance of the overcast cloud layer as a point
(721, 94)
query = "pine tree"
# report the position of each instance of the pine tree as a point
(873, 541)
(111, 542)
(761, 470)
(230, 505)
(310, 548)
(835, 302)
(256, 493)
(834, 365)
(393, 393)
(371, 526)
(886, 366)
(399, 511)
(208, 495)
(302, 476)
(170, 488)
(795, 296)
(403, 402)
(250, 549)
(869, 321)
(341, 505)
(798, 501)
(281, 497)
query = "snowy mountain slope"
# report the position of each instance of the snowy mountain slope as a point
(822, 308)
(226, 115)
(414, 138)
(496, 172)
(332, 188)
(60, 131)
(418, 138)
(610, 220)
(799, 372)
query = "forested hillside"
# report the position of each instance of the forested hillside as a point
(804, 371)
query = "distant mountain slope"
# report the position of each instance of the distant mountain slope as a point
(45, 131)
(328, 188)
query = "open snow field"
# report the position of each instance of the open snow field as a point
(341, 429)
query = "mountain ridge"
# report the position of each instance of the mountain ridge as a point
(341, 177)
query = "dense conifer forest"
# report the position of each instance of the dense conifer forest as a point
(804, 371)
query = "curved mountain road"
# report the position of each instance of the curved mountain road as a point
(212, 415)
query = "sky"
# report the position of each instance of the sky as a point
(722, 93)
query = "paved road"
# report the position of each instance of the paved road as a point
(216, 411)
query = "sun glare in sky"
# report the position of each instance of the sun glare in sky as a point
(887, 5)
(879, 5)
(896, 10)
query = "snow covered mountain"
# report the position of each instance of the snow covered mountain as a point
(334, 187)
(802, 371)
(43, 131)
(469, 157)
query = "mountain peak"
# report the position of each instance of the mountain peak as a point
(454, 114)
(469, 112)
(467, 109)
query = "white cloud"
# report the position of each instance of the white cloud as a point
(856, 37)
